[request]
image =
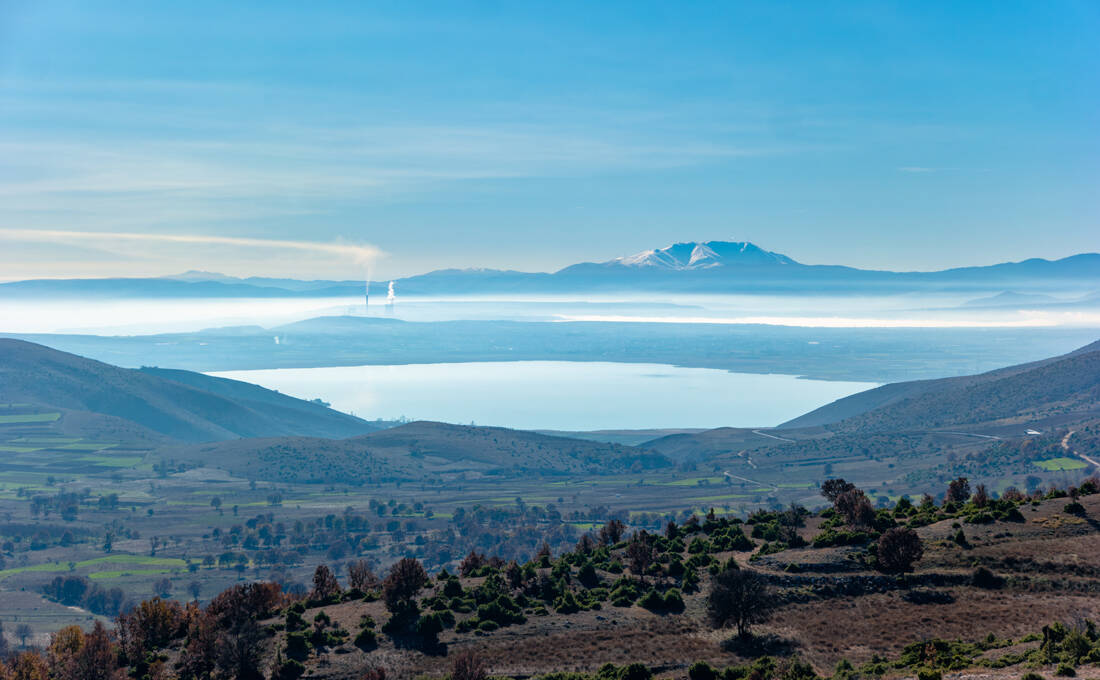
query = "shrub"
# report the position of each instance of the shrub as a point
(1065, 670)
(294, 620)
(929, 674)
(701, 670)
(674, 601)
(297, 647)
(1032, 676)
(291, 669)
(429, 627)
(652, 600)
(898, 549)
(366, 640)
(1074, 508)
(567, 603)
(635, 671)
(452, 588)
(984, 578)
(587, 575)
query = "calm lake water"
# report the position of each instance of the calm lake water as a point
(559, 395)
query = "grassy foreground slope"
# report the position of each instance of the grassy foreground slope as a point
(995, 588)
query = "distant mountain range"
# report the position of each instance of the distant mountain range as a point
(706, 267)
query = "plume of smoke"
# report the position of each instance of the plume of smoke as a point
(360, 254)
(390, 297)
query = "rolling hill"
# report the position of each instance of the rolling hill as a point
(1060, 385)
(415, 451)
(1001, 427)
(178, 404)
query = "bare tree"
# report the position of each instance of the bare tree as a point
(467, 665)
(23, 631)
(641, 553)
(361, 576)
(831, 489)
(612, 532)
(981, 496)
(856, 508)
(325, 584)
(739, 598)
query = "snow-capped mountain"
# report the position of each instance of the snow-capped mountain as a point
(707, 255)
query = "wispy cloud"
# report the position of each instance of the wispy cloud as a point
(142, 248)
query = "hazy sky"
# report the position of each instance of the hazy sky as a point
(910, 135)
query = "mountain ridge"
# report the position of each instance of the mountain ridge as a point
(707, 266)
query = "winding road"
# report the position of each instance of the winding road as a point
(1067, 449)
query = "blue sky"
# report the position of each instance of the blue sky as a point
(530, 136)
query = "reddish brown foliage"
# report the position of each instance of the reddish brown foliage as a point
(404, 581)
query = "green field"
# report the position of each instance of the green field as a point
(87, 446)
(162, 563)
(30, 418)
(1060, 464)
(696, 481)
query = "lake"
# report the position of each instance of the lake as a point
(558, 395)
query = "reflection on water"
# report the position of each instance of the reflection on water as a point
(558, 395)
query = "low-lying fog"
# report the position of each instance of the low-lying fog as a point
(143, 316)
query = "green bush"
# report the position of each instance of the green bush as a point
(1065, 670)
(674, 601)
(452, 588)
(567, 603)
(294, 620)
(366, 640)
(635, 671)
(297, 646)
(290, 669)
(701, 670)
